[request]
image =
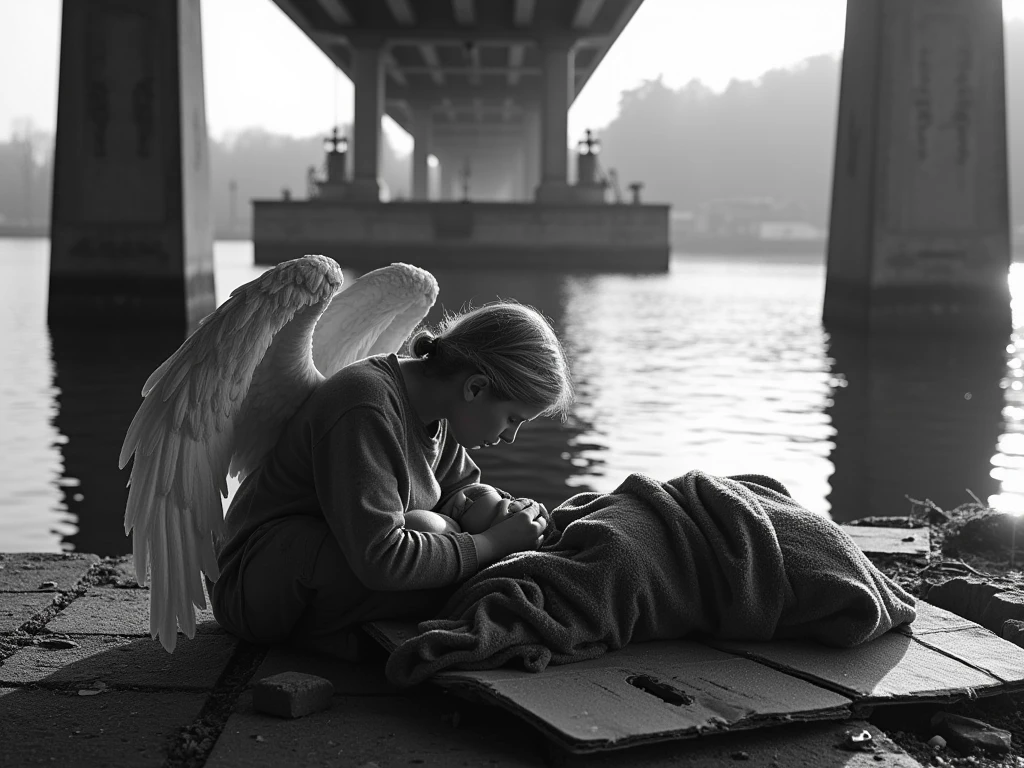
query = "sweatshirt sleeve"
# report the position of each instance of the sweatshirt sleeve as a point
(356, 466)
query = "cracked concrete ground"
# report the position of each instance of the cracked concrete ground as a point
(82, 683)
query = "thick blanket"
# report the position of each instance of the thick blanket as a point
(731, 557)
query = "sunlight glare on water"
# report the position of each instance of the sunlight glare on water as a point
(1008, 460)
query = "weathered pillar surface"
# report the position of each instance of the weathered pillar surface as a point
(368, 79)
(131, 232)
(558, 69)
(448, 169)
(531, 150)
(920, 234)
(423, 129)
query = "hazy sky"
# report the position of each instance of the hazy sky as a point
(262, 71)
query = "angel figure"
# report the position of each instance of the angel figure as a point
(358, 499)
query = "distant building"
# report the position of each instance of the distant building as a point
(753, 217)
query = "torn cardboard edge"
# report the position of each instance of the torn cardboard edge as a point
(681, 689)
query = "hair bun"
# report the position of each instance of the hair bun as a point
(425, 345)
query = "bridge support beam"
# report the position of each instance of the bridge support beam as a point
(531, 151)
(368, 79)
(131, 232)
(423, 129)
(558, 73)
(920, 235)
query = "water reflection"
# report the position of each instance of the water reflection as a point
(722, 365)
(100, 373)
(717, 366)
(913, 416)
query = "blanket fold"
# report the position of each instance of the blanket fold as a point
(730, 557)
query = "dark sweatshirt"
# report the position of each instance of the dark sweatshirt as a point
(357, 455)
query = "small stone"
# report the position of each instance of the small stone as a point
(1013, 630)
(936, 742)
(292, 694)
(965, 734)
(741, 755)
(48, 585)
(88, 692)
(908, 538)
(259, 738)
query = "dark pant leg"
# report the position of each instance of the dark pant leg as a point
(276, 579)
(333, 614)
(293, 584)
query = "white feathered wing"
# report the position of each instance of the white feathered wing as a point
(220, 402)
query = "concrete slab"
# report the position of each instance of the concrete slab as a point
(123, 663)
(18, 607)
(114, 573)
(874, 540)
(378, 729)
(349, 678)
(122, 728)
(123, 612)
(28, 572)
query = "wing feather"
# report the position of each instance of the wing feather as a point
(187, 428)
(375, 315)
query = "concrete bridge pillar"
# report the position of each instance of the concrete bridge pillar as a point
(531, 150)
(131, 236)
(558, 91)
(449, 172)
(423, 129)
(368, 79)
(920, 232)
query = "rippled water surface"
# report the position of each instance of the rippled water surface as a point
(722, 364)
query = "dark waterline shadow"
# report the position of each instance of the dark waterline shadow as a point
(99, 375)
(918, 416)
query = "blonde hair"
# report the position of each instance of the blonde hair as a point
(513, 345)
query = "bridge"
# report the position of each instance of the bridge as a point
(487, 81)
(919, 234)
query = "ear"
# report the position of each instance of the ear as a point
(473, 386)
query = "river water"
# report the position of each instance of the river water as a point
(721, 364)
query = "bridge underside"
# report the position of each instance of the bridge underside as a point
(483, 86)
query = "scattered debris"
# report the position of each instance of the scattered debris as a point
(858, 741)
(292, 694)
(1013, 630)
(965, 734)
(56, 643)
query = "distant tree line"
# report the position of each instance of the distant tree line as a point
(249, 164)
(773, 137)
